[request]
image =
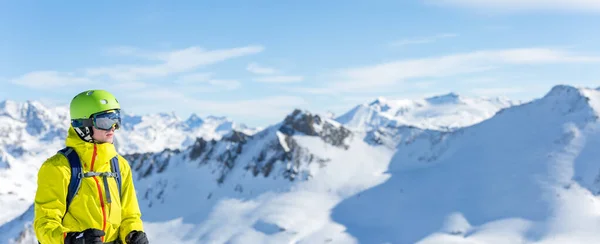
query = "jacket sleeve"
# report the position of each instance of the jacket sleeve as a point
(50, 200)
(130, 210)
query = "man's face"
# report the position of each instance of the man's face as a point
(103, 136)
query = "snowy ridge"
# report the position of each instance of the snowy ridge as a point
(29, 132)
(444, 112)
(25, 127)
(272, 148)
(527, 175)
(239, 166)
(155, 132)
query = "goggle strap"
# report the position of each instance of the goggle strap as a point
(82, 123)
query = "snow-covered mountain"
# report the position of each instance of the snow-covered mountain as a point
(239, 165)
(26, 127)
(527, 174)
(29, 126)
(530, 174)
(444, 112)
(29, 132)
(156, 132)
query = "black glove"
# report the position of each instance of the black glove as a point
(136, 237)
(89, 236)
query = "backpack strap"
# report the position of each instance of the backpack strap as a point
(114, 168)
(76, 173)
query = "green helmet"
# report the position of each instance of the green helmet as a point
(92, 101)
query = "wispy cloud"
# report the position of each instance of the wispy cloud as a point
(204, 82)
(524, 5)
(380, 77)
(173, 62)
(423, 40)
(45, 79)
(262, 70)
(177, 70)
(280, 79)
(259, 69)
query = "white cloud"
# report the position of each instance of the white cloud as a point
(204, 82)
(524, 5)
(172, 62)
(49, 79)
(280, 79)
(261, 70)
(376, 77)
(423, 40)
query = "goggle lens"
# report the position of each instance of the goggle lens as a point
(107, 120)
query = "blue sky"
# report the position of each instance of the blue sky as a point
(256, 61)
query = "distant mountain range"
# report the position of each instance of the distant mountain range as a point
(445, 169)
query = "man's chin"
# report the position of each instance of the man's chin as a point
(105, 141)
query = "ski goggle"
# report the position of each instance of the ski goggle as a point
(102, 121)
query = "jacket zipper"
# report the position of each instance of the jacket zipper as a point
(99, 193)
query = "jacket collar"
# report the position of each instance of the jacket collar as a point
(104, 151)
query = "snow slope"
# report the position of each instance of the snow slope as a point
(443, 112)
(527, 175)
(277, 186)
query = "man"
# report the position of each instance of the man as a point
(101, 207)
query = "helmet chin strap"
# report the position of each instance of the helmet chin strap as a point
(85, 133)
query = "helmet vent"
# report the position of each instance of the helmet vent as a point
(89, 93)
(103, 101)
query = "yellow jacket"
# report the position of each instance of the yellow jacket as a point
(89, 207)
